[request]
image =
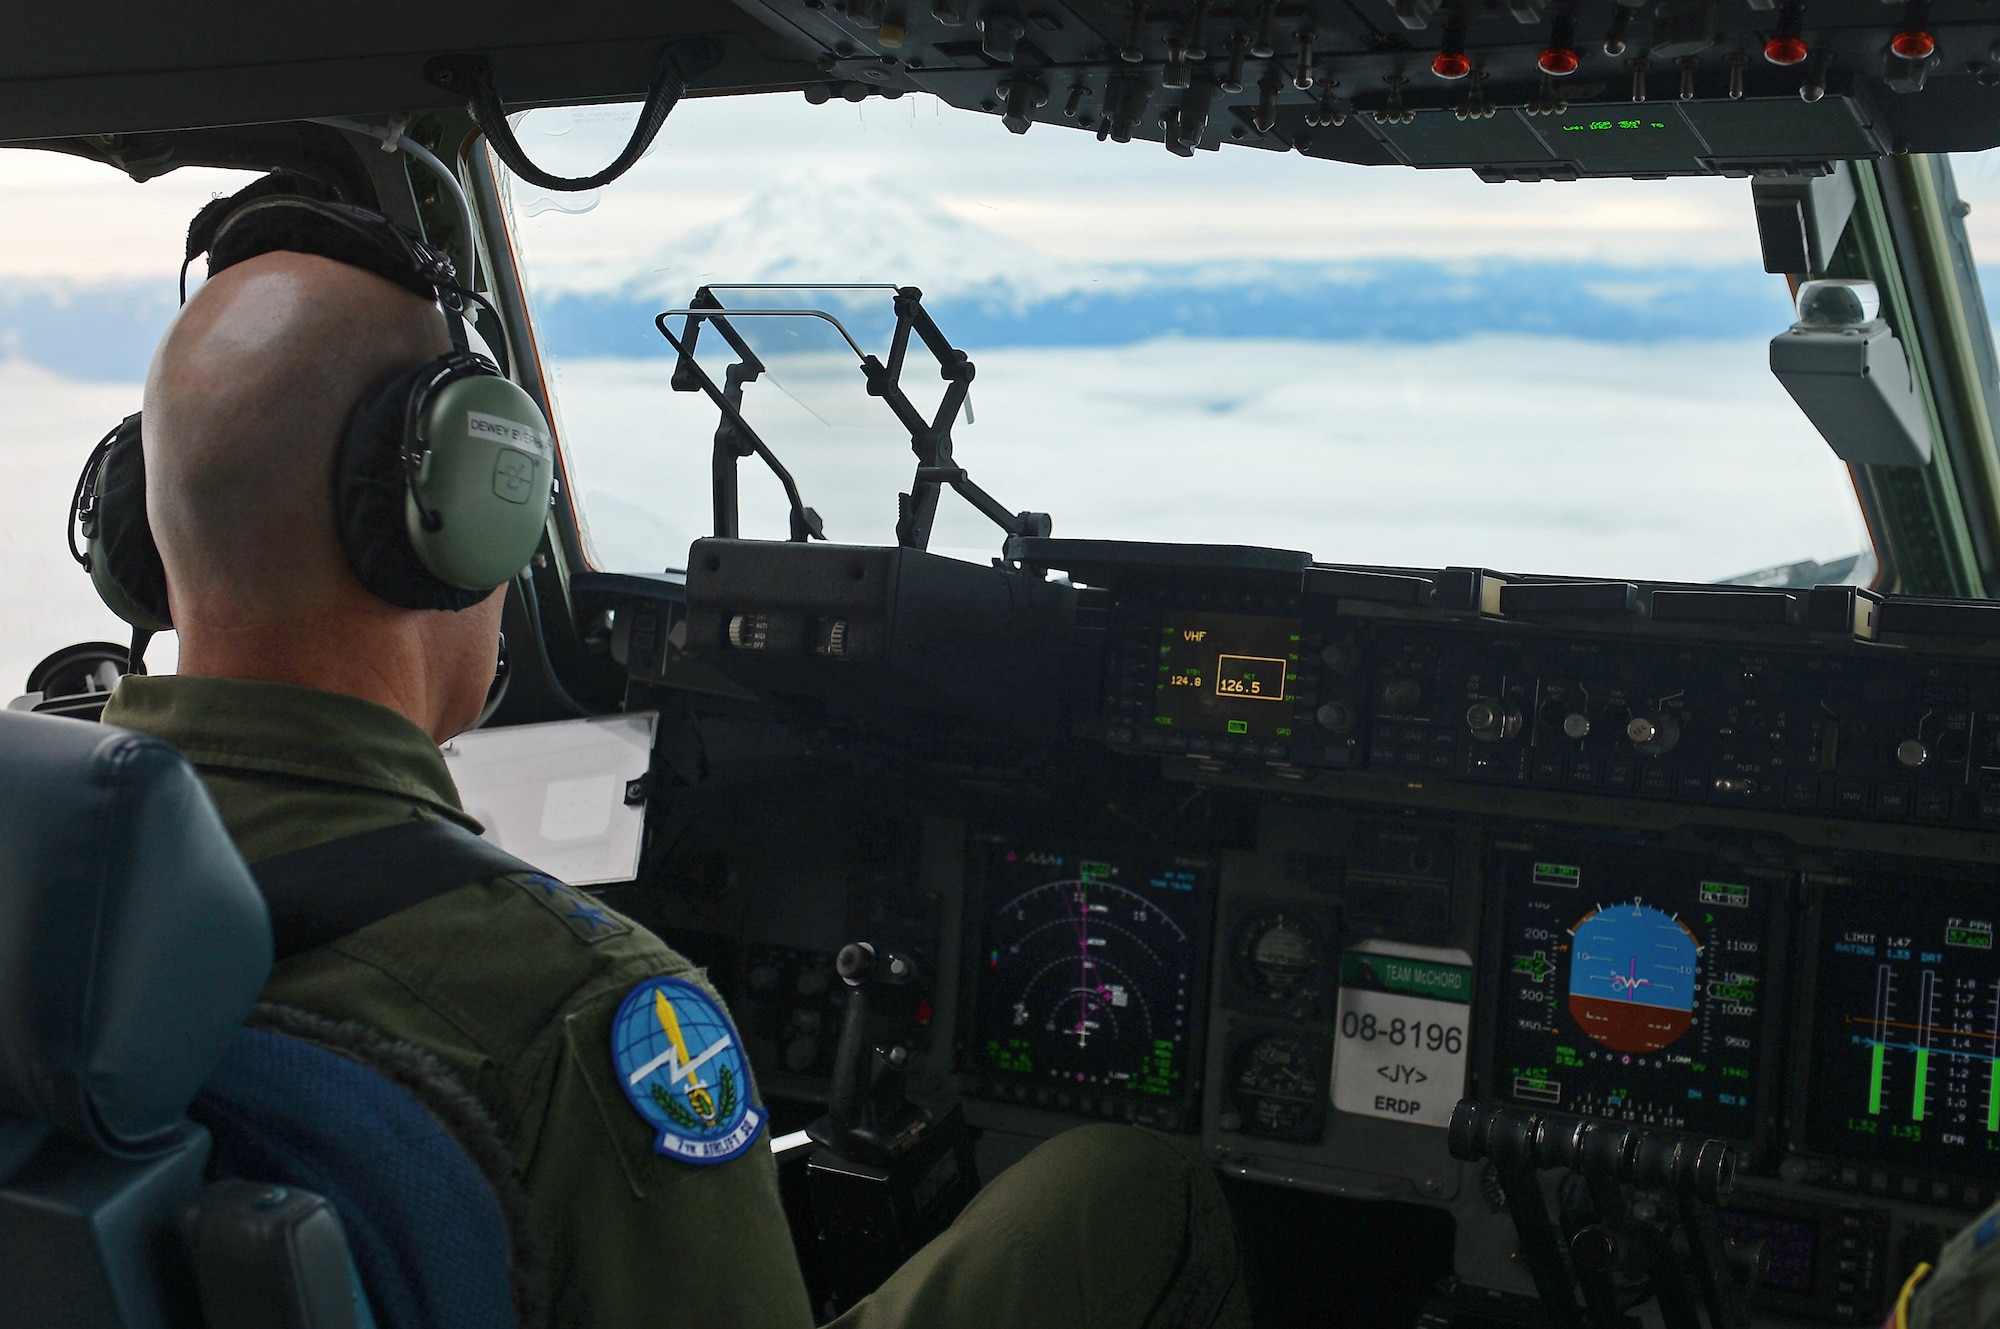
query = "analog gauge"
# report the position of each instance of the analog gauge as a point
(1277, 957)
(1276, 1087)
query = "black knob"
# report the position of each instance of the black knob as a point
(855, 962)
(1402, 694)
(1490, 721)
(1340, 656)
(1337, 716)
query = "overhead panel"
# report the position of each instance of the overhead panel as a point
(1521, 90)
(1511, 89)
(1440, 138)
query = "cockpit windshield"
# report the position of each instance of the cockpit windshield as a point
(1381, 366)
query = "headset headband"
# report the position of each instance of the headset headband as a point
(275, 213)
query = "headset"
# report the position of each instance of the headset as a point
(444, 473)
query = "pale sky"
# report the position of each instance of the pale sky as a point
(1055, 190)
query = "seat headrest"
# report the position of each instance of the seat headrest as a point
(132, 938)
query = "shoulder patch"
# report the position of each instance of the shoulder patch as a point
(680, 1062)
(578, 912)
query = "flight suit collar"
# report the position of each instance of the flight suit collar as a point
(246, 726)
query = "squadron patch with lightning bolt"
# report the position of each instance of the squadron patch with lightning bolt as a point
(683, 1067)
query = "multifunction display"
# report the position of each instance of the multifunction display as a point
(1906, 1026)
(1632, 986)
(1227, 674)
(1086, 974)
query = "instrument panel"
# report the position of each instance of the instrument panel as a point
(1290, 859)
(1631, 985)
(1088, 979)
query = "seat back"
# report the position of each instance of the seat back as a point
(389, 1137)
(132, 943)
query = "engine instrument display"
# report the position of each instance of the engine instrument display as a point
(1087, 973)
(1227, 674)
(1906, 1026)
(1632, 987)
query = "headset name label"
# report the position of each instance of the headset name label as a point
(511, 432)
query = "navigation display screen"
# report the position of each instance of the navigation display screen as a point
(1227, 674)
(1906, 1026)
(1086, 974)
(1632, 987)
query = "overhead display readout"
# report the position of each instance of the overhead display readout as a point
(1087, 970)
(1906, 1027)
(1632, 987)
(1227, 674)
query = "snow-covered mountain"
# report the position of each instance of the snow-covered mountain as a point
(815, 227)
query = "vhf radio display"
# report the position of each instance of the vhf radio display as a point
(1632, 987)
(1227, 674)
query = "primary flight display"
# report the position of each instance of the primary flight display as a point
(1632, 987)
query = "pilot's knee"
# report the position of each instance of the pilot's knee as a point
(1116, 1169)
(1119, 1156)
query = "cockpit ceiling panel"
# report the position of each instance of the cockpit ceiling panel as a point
(119, 68)
(1653, 87)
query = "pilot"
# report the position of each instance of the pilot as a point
(1963, 1291)
(314, 711)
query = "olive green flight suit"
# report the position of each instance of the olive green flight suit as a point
(514, 985)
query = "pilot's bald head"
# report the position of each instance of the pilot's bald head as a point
(245, 406)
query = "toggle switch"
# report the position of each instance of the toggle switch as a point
(1197, 34)
(1239, 48)
(1267, 102)
(1134, 49)
(1000, 38)
(1267, 18)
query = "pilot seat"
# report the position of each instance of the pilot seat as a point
(173, 1154)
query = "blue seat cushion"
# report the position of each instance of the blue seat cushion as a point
(132, 938)
(440, 1241)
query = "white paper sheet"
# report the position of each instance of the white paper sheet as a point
(554, 794)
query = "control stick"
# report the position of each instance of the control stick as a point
(889, 1173)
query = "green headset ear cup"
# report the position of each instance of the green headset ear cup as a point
(371, 488)
(124, 562)
(479, 501)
